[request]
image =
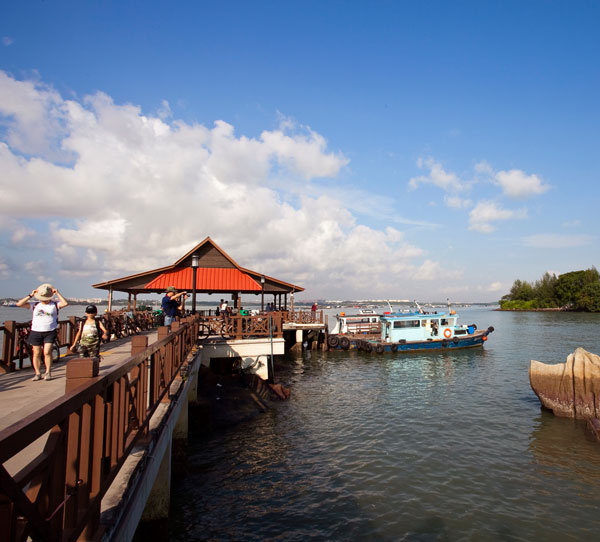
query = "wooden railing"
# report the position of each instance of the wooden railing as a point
(121, 323)
(118, 323)
(304, 317)
(243, 327)
(92, 429)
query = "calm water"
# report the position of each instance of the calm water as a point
(405, 447)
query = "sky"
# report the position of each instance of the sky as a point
(363, 150)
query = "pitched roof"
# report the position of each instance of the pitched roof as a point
(218, 272)
(207, 279)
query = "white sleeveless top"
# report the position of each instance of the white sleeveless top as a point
(45, 316)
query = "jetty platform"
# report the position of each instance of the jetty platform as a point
(20, 396)
(87, 455)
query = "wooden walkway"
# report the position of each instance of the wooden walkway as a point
(21, 396)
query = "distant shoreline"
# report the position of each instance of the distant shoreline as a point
(554, 309)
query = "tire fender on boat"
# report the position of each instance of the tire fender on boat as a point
(345, 343)
(455, 340)
(379, 349)
(333, 341)
(394, 348)
(447, 333)
(444, 343)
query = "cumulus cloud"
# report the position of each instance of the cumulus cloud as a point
(122, 191)
(437, 176)
(486, 212)
(32, 114)
(517, 184)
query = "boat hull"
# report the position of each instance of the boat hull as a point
(469, 341)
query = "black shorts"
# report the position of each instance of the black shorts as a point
(39, 338)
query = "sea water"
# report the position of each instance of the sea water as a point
(387, 447)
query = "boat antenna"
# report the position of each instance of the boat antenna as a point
(448, 301)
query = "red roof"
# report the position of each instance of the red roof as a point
(211, 279)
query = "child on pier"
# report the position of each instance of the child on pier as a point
(89, 334)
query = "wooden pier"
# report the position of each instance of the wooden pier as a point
(87, 455)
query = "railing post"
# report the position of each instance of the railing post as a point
(139, 343)
(8, 347)
(72, 327)
(79, 371)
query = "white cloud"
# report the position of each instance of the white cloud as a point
(20, 233)
(551, 240)
(456, 202)
(32, 114)
(484, 168)
(141, 190)
(437, 176)
(37, 268)
(486, 212)
(495, 287)
(517, 184)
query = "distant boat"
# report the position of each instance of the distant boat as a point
(411, 331)
(9, 304)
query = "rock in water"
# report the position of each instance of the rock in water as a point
(570, 389)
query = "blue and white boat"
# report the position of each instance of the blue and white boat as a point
(417, 330)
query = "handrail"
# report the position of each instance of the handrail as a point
(12, 359)
(245, 327)
(92, 430)
(304, 317)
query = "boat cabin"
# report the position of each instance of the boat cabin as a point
(357, 324)
(419, 326)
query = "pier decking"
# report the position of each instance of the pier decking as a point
(20, 396)
(84, 453)
(65, 443)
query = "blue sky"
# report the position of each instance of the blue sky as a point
(363, 150)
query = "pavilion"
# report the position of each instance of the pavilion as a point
(215, 273)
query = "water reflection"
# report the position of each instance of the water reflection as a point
(564, 447)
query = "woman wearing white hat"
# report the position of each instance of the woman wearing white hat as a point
(44, 324)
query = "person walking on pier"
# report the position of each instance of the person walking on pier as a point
(90, 333)
(44, 323)
(170, 304)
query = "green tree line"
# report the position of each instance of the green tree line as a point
(577, 290)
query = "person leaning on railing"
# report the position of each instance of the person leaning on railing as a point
(44, 323)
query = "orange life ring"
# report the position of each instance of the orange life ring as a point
(447, 333)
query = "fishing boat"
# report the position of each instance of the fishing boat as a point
(417, 330)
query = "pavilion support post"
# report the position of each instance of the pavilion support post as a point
(110, 294)
(134, 301)
(129, 301)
